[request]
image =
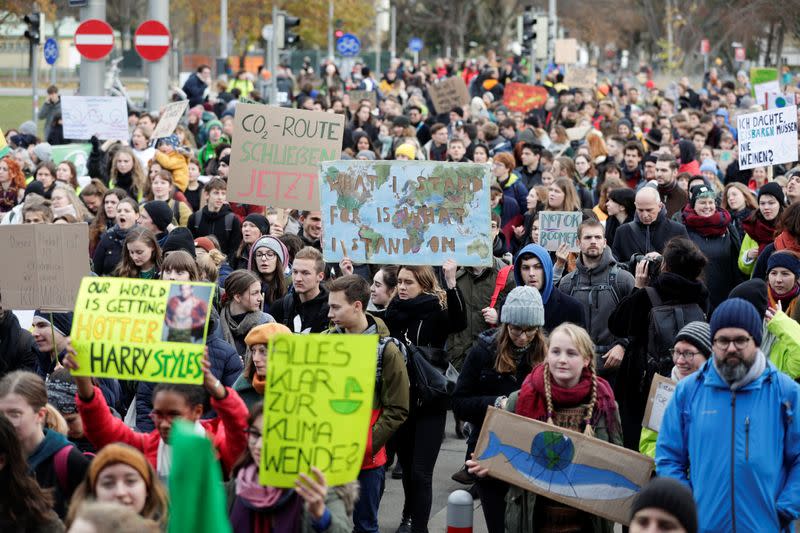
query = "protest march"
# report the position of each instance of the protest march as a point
(231, 313)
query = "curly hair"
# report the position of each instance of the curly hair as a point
(15, 172)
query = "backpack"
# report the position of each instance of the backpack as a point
(570, 288)
(665, 321)
(198, 216)
(176, 211)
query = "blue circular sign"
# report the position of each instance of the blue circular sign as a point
(415, 44)
(50, 51)
(348, 45)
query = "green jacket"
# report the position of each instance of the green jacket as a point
(477, 292)
(785, 349)
(745, 266)
(647, 442)
(339, 501)
(520, 503)
(244, 388)
(393, 397)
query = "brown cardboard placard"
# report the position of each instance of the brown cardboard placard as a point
(661, 391)
(449, 93)
(169, 118)
(42, 265)
(566, 51)
(566, 466)
(357, 96)
(276, 153)
(581, 77)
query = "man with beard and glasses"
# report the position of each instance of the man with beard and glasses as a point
(599, 283)
(731, 431)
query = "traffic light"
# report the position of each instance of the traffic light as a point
(284, 38)
(526, 29)
(35, 21)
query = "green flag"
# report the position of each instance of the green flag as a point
(197, 496)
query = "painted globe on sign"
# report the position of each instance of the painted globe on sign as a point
(552, 450)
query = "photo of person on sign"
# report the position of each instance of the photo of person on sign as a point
(187, 309)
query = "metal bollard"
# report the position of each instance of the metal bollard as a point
(459, 512)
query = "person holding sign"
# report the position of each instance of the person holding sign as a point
(311, 507)
(498, 362)
(564, 391)
(691, 351)
(170, 401)
(348, 298)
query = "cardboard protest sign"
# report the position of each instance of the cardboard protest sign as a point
(77, 153)
(767, 137)
(566, 466)
(566, 51)
(661, 391)
(559, 227)
(581, 77)
(145, 330)
(578, 132)
(42, 265)
(357, 96)
(523, 97)
(317, 406)
(776, 100)
(449, 93)
(103, 116)
(169, 118)
(406, 212)
(276, 153)
(763, 81)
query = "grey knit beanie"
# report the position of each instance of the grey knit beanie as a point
(523, 307)
(698, 334)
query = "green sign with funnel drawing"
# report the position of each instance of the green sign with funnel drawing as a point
(317, 406)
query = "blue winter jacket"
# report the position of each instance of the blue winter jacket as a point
(738, 451)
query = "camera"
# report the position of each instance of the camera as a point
(653, 264)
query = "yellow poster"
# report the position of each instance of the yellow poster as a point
(317, 406)
(146, 330)
(4, 150)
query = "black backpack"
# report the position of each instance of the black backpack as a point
(665, 321)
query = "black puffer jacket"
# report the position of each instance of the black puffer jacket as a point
(108, 253)
(631, 319)
(17, 347)
(479, 384)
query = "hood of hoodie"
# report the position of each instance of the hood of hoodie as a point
(606, 261)
(547, 264)
(375, 326)
(53, 441)
(213, 216)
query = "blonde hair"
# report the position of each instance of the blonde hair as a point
(426, 278)
(584, 345)
(55, 420)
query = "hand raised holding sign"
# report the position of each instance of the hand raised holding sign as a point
(313, 492)
(213, 385)
(84, 383)
(449, 269)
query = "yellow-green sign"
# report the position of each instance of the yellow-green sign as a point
(147, 330)
(317, 406)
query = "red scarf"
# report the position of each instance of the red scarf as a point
(532, 401)
(714, 226)
(760, 230)
(785, 241)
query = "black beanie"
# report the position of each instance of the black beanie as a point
(179, 239)
(35, 187)
(672, 497)
(260, 221)
(62, 322)
(160, 212)
(754, 291)
(626, 198)
(774, 189)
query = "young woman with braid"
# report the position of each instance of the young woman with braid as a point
(567, 392)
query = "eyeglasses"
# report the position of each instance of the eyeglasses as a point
(519, 332)
(723, 343)
(156, 416)
(253, 434)
(688, 356)
(269, 254)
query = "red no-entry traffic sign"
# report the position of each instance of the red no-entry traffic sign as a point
(94, 39)
(151, 40)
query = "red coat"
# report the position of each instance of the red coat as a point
(226, 431)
